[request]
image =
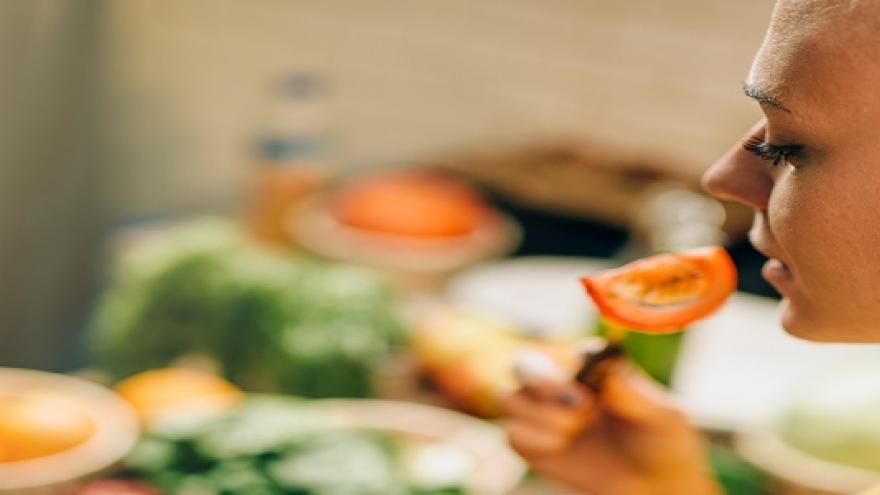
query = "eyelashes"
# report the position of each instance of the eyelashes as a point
(772, 153)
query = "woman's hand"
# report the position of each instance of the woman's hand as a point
(626, 439)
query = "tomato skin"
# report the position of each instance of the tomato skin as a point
(709, 271)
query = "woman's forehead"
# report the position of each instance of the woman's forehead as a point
(811, 13)
(820, 57)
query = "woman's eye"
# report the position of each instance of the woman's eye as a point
(772, 153)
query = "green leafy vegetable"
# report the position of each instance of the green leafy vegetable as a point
(275, 445)
(273, 321)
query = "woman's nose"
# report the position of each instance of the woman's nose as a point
(741, 176)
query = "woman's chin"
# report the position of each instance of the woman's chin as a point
(800, 323)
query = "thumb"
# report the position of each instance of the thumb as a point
(629, 394)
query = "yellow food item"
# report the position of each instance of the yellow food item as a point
(157, 392)
(38, 424)
(471, 358)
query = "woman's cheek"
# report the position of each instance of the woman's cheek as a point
(827, 225)
(801, 229)
(787, 221)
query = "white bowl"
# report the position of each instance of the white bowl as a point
(799, 473)
(116, 432)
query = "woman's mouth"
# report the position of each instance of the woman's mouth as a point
(777, 273)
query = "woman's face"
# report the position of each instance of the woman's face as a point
(811, 168)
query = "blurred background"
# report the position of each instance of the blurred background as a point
(375, 201)
(120, 111)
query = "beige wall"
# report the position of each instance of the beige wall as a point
(186, 80)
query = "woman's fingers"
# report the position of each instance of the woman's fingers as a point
(621, 435)
(630, 395)
(566, 413)
(531, 440)
(624, 392)
(549, 398)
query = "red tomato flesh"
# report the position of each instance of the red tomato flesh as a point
(662, 293)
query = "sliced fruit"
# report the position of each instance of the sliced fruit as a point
(665, 292)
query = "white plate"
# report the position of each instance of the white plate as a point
(541, 294)
(313, 226)
(116, 431)
(497, 470)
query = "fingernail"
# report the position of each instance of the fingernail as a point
(592, 345)
(534, 367)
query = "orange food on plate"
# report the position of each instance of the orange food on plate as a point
(410, 204)
(161, 391)
(35, 424)
(665, 292)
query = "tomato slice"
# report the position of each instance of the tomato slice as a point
(662, 293)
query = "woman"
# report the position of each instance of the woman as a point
(811, 171)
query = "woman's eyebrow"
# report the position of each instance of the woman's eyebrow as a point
(762, 96)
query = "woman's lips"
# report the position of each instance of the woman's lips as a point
(777, 273)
